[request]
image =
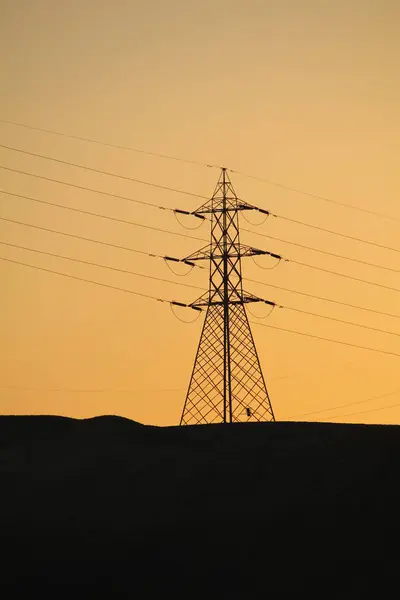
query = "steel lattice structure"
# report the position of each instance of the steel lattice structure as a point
(227, 384)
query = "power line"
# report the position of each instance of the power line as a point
(380, 285)
(196, 238)
(169, 302)
(316, 412)
(86, 239)
(173, 210)
(127, 248)
(93, 264)
(185, 193)
(86, 189)
(343, 235)
(124, 221)
(101, 216)
(318, 337)
(365, 411)
(150, 204)
(330, 318)
(317, 197)
(109, 145)
(112, 287)
(80, 237)
(326, 252)
(324, 299)
(90, 263)
(185, 235)
(307, 312)
(100, 171)
(184, 160)
(323, 270)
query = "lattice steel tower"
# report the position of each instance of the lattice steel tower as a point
(227, 384)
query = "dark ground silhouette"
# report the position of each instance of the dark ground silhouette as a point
(245, 511)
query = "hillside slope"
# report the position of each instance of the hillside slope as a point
(222, 511)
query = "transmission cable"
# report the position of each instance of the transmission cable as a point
(150, 204)
(317, 227)
(362, 412)
(344, 235)
(192, 228)
(188, 306)
(184, 160)
(109, 145)
(80, 237)
(380, 285)
(324, 198)
(324, 299)
(86, 212)
(325, 339)
(112, 287)
(323, 270)
(316, 412)
(101, 242)
(124, 221)
(94, 264)
(101, 172)
(329, 318)
(307, 312)
(173, 233)
(86, 189)
(46, 202)
(109, 194)
(326, 252)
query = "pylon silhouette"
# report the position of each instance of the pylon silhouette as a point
(227, 384)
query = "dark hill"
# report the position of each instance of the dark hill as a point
(242, 511)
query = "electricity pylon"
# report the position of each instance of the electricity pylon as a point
(227, 384)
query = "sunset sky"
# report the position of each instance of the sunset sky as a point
(304, 93)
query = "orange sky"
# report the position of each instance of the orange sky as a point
(302, 93)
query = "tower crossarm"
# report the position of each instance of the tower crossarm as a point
(246, 298)
(239, 251)
(216, 205)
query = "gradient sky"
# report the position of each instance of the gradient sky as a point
(302, 92)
